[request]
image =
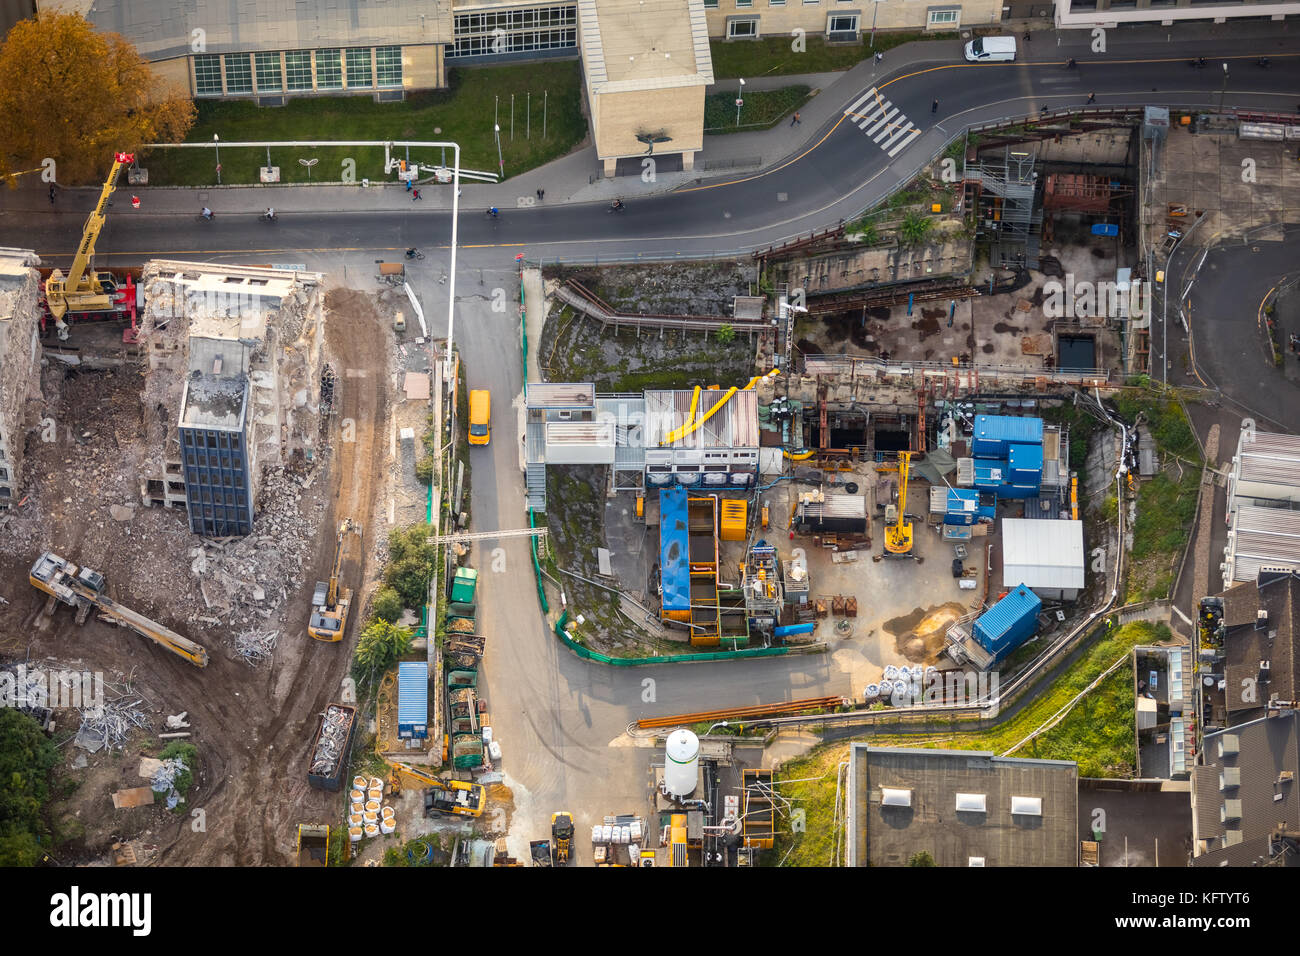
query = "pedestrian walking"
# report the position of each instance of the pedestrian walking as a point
(51, 194)
(934, 107)
(541, 194)
(1027, 37)
(415, 194)
(879, 56)
(794, 120)
(408, 185)
(1092, 97)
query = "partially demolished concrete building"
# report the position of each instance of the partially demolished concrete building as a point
(232, 385)
(20, 359)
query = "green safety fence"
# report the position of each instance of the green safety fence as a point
(423, 629)
(537, 564)
(588, 654)
(523, 322)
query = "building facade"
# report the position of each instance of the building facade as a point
(20, 358)
(1088, 14)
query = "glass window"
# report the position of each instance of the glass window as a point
(742, 28)
(329, 69)
(207, 75)
(359, 71)
(297, 69)
(268, 73)
(239, 73)
(744, 3)
(844, 23)
(776, 3)
(942, 17)
(388, 65)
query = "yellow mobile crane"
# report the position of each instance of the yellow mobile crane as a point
(329, 608)
(84, 589)
(84, 290)
(898, 536)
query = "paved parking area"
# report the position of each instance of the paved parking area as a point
(1141, 828)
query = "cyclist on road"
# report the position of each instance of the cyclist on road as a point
(207, 213)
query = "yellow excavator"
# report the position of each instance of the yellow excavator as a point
(83, 589)
(329, 602)
(453, 797)
(898, 536)
(83, 289)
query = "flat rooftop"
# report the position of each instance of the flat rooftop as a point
(216, 385)
(734, 425)
(631, 45)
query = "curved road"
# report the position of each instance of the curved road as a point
(555, 714)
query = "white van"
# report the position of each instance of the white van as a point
(991, 49)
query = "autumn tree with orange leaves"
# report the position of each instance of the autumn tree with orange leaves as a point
(77, 96)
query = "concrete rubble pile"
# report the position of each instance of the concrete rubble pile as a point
(109, 724)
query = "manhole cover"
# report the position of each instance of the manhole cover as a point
(851, 487)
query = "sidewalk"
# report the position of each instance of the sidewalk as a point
(576, 178)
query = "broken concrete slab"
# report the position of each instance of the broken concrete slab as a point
(121, 512)
(133, 797)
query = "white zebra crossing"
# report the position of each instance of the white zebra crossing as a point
(883, 122)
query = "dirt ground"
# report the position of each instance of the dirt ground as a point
(252, 726)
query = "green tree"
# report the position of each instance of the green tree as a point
(411, 560)
(922, 859)
(916, 228)
(380, 646)
(77, 96)
(726, 334)
(424, 470)
(27, 756)
(387, 605)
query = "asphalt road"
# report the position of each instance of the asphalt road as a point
(555, 714)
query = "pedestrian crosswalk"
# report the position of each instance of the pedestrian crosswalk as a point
(883, 122)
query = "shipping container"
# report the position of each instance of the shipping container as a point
(961, 506)
(1025, 462)
(1017, 491)
(328, 757)
(994, 433)
(463, 586)
(412, 700)
(1008, 623)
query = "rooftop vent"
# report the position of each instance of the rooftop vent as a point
(975, 861)
(1261, 619)
(891, 797)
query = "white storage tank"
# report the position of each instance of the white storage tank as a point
(681, 769)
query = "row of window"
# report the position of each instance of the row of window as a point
(210, 475)
(297, 71)
(835, 23)
(537, 18)
(214, 439)
(514, 43)
(219, 522)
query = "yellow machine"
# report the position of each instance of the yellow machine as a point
(454, 796)
(898, 536)
(84, 589)
(562, 836)
(329, 608)
(83, 289)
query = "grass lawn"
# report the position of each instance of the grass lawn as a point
(463, 113)
(762, 110)
(772, 56)
(1098, 733)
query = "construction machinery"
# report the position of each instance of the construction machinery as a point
(83, 290)
(557, 850)
(83, 589)
(313, 844)
(329, 607)
(898, 535)
(453, 797)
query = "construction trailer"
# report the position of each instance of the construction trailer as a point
(83, 589)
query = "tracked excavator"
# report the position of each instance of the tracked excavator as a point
(330, 603)
(453, 797)
(83, 589)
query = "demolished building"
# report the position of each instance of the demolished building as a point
(232, 385)
(20, 358)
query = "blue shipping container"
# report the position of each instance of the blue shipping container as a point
(1018, 491)
(989, 474)
(962, 506)
(412, 700)
(1025, 463)
(674, 553)
(1009, 623)
(993, 433)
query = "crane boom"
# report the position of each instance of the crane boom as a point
(79, 282)
(483, 535)
(898, 536)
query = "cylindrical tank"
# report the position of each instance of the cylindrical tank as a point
(681, 769)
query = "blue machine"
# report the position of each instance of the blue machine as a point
(1009, 623)
(412, 700)
(963, 506)
(995, 433)
(674, 550)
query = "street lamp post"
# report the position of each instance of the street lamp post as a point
(740, 101)
(875, 8)
(501, 163)
(216, 144)
(1223, 93)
